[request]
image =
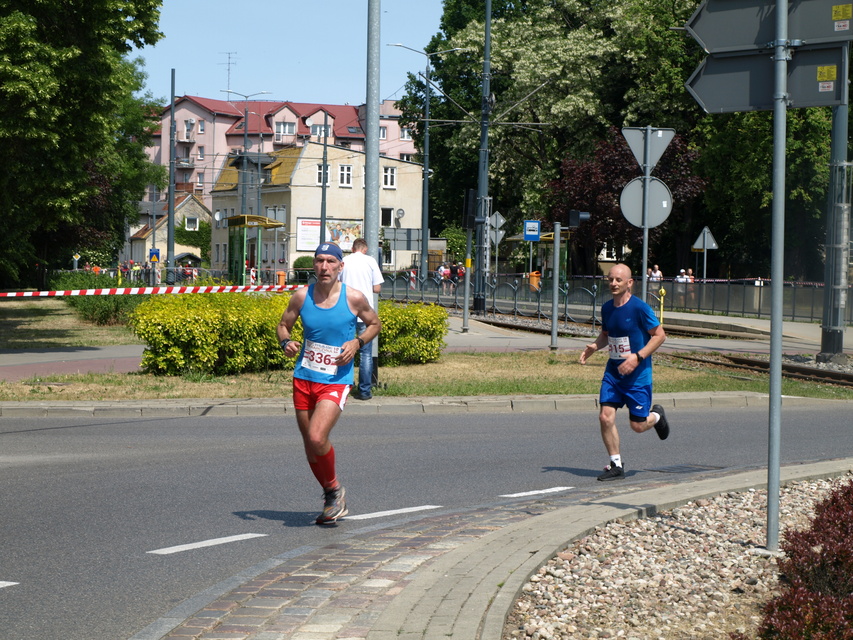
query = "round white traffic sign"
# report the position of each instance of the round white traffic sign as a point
(660, 202)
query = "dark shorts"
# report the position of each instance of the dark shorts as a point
(638, 399)
(307, 394)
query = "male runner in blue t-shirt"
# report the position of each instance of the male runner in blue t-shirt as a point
(324, 370)
(632, 333)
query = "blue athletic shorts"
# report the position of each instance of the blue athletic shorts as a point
(638, 399)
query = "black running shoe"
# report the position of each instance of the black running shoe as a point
(334, 507)
(612, 472)
(661, 426)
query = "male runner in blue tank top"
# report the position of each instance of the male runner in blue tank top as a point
(632, 333)
(324, 370)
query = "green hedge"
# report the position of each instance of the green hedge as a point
(101, 310)
(228, 333)
(411, 334)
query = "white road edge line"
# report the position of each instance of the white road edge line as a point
(207, 543)
(7, 584)
(382, 514)
(535, 493)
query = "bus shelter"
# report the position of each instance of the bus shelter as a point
(245, 234)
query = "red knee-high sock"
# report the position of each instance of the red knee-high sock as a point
(324, 469)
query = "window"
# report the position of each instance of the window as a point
(191, 223)
(218, 219)
(408, 157)
(318, 129)
(200, 180)
(405, 134)
(224, 252)
(383, 133)
(345, 175)
(320, 175)
(201, 126)
(216, 252)
(201, 153)
(389, 177)
(283, 129)
(387, 217)
(354, 129)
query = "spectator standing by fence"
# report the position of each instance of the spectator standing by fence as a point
(362, 272)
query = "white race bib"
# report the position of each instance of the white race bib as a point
(320, 357)
(620, 348)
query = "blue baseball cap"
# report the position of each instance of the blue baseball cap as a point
(330, 249)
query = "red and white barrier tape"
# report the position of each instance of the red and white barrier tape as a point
(119, 291)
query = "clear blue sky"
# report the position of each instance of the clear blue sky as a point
(280, 46)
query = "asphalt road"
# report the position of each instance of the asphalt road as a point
(85, 501)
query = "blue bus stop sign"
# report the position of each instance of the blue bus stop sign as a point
(531, 230)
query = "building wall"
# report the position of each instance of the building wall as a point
(296, 197)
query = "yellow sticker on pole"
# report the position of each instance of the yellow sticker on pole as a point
(842, 11)
(829, 73)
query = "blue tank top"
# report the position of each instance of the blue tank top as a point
(324, 332)
(631, 322)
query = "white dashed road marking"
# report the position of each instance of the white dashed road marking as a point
(7, 584)
(382, 514)
(535, 493)
(207, 543)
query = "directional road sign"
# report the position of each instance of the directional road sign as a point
(659, 141)
(660, 202)
(729, 83)
(739, 25)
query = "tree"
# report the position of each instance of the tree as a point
(198, 238)
(72, 136)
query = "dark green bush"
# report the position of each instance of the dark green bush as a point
(817, 601)
(100, 310)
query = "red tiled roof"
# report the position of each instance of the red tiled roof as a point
(262, 112)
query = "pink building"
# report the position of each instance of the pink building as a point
(209, 131)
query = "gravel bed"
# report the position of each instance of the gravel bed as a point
(699, 571)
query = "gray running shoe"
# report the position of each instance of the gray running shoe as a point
(661, 426)
(612, 472)
(334, 505)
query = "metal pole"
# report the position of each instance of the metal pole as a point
(705, 231)
(837, 232)
(483, 173)
(777, 273)
(170, 242)
(325, 176)
(647, 183)
(425, 194)
(555, 286)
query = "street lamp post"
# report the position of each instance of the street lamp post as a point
(425, 194)
(245, 170)
(323, 172)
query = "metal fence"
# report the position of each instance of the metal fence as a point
(580, 298)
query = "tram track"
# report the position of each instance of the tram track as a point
(790, 370)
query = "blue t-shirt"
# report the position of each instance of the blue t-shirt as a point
(324, 332)
(632, 321)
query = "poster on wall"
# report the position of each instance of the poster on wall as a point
(338, 230)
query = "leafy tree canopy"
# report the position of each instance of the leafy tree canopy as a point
(72, 136)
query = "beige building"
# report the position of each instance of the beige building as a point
(283, 202)
(151, 232)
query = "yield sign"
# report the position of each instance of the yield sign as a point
(705, 240)
(659, 141)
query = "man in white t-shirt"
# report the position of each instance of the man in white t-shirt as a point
(362, 272)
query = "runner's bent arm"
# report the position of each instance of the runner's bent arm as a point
(360, 307)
